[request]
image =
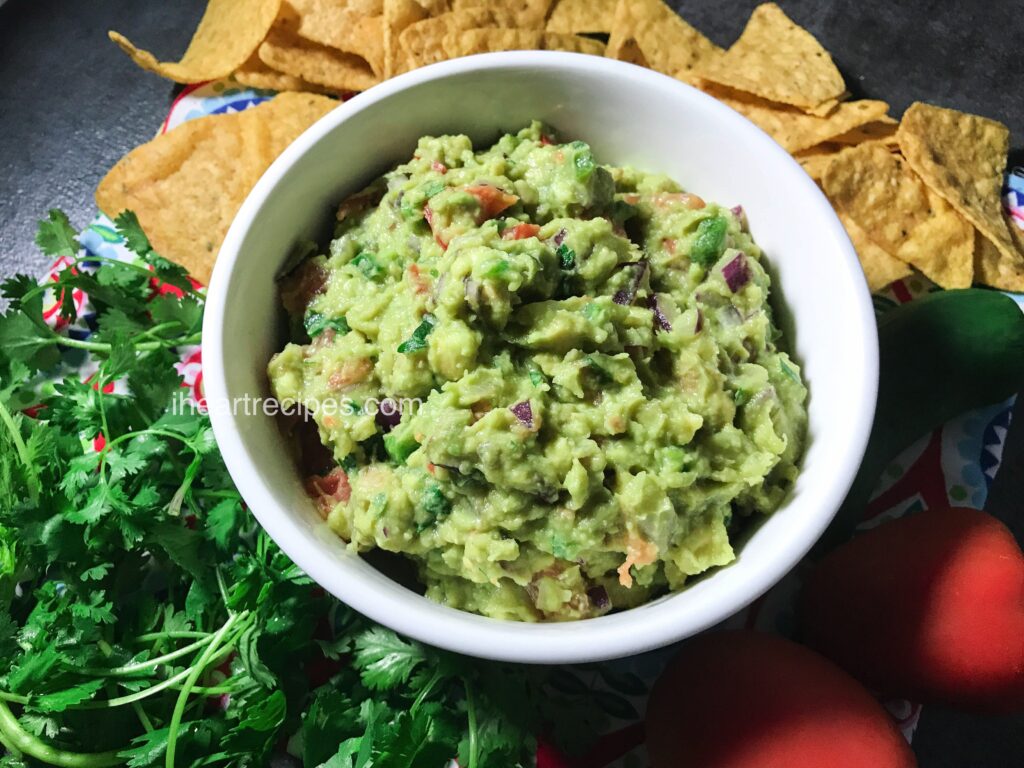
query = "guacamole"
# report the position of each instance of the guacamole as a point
(591, 398)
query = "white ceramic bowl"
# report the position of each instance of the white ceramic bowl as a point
(630, 116)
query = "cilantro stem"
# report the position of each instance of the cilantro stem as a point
(197, 669)
(147, 724)
(102, 401)
(426, 691)
(143, 270)
(471, 713)
(141, 666)
(23, 455)
(13, 698)
(163, 685)
(130, 435)
(93, 258)
(157, 328)
(144, 346)
(11, 750)
(20, 740)
(155, 432)
(216, 690)
(173, 635)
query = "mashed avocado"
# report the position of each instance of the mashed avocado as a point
(601, 401)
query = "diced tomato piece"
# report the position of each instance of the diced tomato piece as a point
(492, 200)
(665, 199)
(520, 232)
(420, 283)
(329, 490)
(351, 372)
(545, 140)
(428, 214)
(439, 167)
(301, 285)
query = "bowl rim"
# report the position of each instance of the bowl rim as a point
(649, 626)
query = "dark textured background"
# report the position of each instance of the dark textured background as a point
(71, 104)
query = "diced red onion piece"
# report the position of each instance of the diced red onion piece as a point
(737, 210)
(388, 414)
(627, 294)
(560, 236)
(730, 316)
(599, 597)
(660, 320)
(472, 289)
(524, 413)
(439, 286)
(736, 273)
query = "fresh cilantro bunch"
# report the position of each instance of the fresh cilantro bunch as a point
(146, 619)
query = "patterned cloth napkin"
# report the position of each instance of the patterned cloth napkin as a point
(955, 464)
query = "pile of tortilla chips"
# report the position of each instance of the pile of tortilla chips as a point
(931, 200)
(187, 185)
(920, 193)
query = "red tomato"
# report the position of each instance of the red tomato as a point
(492, 200)
(929, 606)
(328, 490)
(428, 214)
(744, 699)
(420, 283)
(520, 232)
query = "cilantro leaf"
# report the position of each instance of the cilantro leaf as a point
(384, 660)
(418, 339)
(186, 311)
(59, 701)
(33, 669)
(56, 236)
(15, 289)
(127, 225)
(223, 521)
(24, 341)
(102, 500)
(149, 748)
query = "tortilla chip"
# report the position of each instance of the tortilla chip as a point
(423, 42)
(778, 61)
(1016, 234)
(816, 163)
(228, 34)
(880, 267)
(398, 15)
(649, 33)
(881, 130)
(942, 247)
(490, 39)
(351, 26)
(826, 108)
(877, 190)
(315, 63)
(997, 269)
(963, 158)
(187, 185)
(796, 130)
(571, 17)
(255, 74)
(529, 14)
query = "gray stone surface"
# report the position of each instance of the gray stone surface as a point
(71, 104)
